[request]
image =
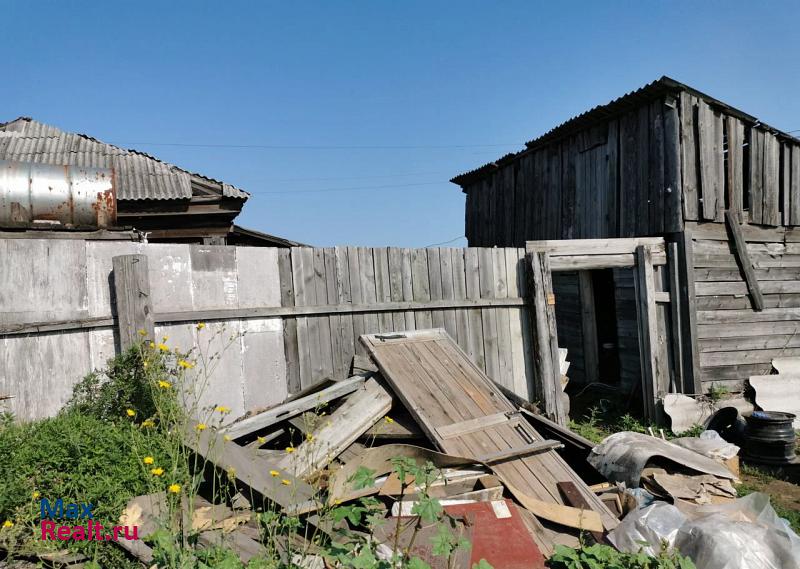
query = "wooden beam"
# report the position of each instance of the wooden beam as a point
(676, 328)
(526, 450)
(351, 420)
(133, 300)
(574, 498)
(591, 262)
(594, 246)
(288, 410)
(545, 336)
(740, 249)
(691, 356)
(591, 361)
(648, 333)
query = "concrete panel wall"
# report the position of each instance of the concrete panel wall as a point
(45, 280)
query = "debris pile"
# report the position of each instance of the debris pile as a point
(497, 469)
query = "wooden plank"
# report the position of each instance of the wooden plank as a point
(611, 162)
(675, 315)
(366, 267)
(736, 343)
(421, 286)
(460, 293)
(744, 259)
(710, 155)
(741, 288)
(735, 275)
(746, 329)
(575, 499)
(504, 348)
(795, 186)
(648, 333)
(752, 233)
(324, 367)
(396, 287)
(516, 318)
(471, 425)
(644, 212)
(288, 410)
(594, 246)
(344, 298)
(689, 165)
(714, 359)
(341, 354)
(475, 319)
(673, 186)
(771, 194)
(517, 452)
(290, 349)
(544, 335)
(488, 316)
(656, 167)
(735, 167)
(383, 288)
(756, 154)
(345, 425)
(786, 184)
(133, 300)
(448, 290)
(435, 281)
(588, 327)
(740, 302)
(357, 296)
(439, 385)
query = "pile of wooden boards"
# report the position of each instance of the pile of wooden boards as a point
(418, 397)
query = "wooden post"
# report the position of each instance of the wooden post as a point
(289, 324)
(648, 333)
(676, 328)
(134, 304)
(541, 310)
(591, 363)
(740, 250)
(691, 355)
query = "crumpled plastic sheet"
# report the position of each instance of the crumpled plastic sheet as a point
(710, 444)
(743, 534)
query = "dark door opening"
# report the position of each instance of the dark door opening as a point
(606, 325)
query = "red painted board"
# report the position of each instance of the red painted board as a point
(499, 535)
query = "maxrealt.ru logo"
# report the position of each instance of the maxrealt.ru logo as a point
(87, 531)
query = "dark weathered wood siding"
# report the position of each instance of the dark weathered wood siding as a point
(619, 178)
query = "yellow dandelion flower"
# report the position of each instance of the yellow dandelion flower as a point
(185, 365)
(152, 344)
(144, 365)
(231, 472)
(388, 419)
(309, 437)
(174, 488)
(222, 409)
(148, 423)
(130, 412)
(158, 471)
(201, 325)
(164, 384)
(201, 427)
(290, 450)
(274, 473)
(226, 438)
(163, 347)
(142, 332)
(165, 338)
(35, 494)
(262, 440)
(148, 460)
(286, 482)
(8, 524)
(337, 501)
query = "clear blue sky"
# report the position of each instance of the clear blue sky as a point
(389, 98)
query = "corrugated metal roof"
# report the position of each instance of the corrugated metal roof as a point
(618, 106)
(139, 176)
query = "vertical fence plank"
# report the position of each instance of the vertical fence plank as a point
(460, 293)
(421, 286)
(506, 377)
(435, 282)
(489, 315)
(735, 167)
(341, 365)
(300, 299)
(289, 324)
(473, 289)
(383, 290)
(448, 293)
(134, 302)
(349, 339)
(369, 296)
(518, 380)
(688, 158)
(356, 297)
(396, 287)
(648, 328)
(325, 365)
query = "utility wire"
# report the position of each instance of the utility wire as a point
(320, 146)
(350, 189)
(446, 242)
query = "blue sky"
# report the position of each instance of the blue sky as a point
(347, 119)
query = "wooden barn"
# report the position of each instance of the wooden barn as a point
(710, 191)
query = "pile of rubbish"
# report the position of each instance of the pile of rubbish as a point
(515, 483)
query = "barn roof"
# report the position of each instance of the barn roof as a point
(139, 176)
(619, 106)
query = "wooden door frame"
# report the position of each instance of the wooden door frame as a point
(641, 254)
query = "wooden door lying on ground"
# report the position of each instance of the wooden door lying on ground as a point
(465, 414)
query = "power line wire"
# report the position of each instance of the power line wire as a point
(350, 189)
(446, 242)
(320, 146)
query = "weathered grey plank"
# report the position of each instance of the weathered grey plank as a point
(324, 367)
(356, 296)
(289, 324)
(448, 291)
(506, 377)
(473, 290)
(744, 258)
(735, 167)
(366, 267)
(489, 316)
(756, 152)
(341, 354)
(689, 164)
(421, 286)
(648, 329)
(133, 299)
(383, 287)
(673, 186)
(710, 156)
(435, 282)
(771, 208)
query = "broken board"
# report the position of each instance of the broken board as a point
(465, 414)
